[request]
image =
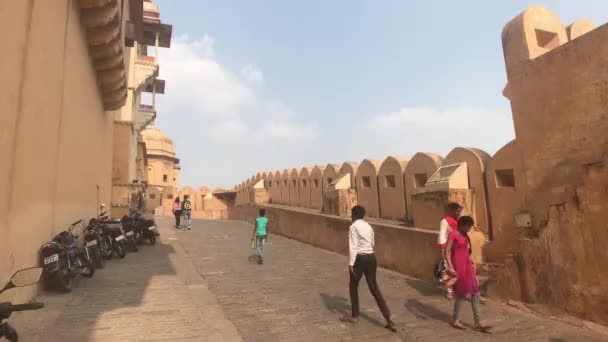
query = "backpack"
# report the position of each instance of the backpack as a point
(439, 269)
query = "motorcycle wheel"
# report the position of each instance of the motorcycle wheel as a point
(100, 262)
(106, 249)
(138, 238)
(63, 280)
(9, 333)
(120, 250)
(152, 239)
(133, 245)
(89, 268)
(49, 281)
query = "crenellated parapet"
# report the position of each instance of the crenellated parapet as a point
(552, 219)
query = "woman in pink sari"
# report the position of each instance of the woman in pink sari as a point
(460, 265)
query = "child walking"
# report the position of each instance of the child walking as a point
(260, 233)
(459, 262)
(187, 211)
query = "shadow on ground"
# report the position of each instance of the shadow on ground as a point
(97, 306)
(424, 311)
(424, 288)
(341, 306)
(253, 259)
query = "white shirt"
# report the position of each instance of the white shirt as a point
(444, 231)
(360, 240)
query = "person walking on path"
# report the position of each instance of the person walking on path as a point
(187, 211)
(177, 211)
(362, 261)
(448, 224)
(260, 234)
(459, 250)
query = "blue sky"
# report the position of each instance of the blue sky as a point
(266, 85)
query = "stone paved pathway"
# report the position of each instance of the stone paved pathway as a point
(301, 291)
(152, 295)
(203, 285)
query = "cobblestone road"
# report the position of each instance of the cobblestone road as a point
(203, 285)
(152, 295)
(301, 291)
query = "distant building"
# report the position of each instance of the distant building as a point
(162, 168)
(129, 169)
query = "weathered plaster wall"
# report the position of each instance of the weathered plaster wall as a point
(269, 184)
(418, 170)
(56, 141)
(276, 191)
(506, 192)
(408, 250)
(154, 198)
(305, 187)
(285, 186)
(476, 160)
(559, 106)
(121, 156)
(430, 207)
(367, 186)
(349, 168)
(391, 188)
(168, 196)
(294, 188)
(316, 187)
(330, 173)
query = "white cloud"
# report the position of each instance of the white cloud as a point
(278, 110)
(205, 46)
(210, 104)
(288, 130)
(439, 130)
(253, 74)
(230, 130)
(197, 82)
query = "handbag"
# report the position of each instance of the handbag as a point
(439, 269)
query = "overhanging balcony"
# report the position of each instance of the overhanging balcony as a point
(145, 115)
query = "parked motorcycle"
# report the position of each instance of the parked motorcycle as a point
(25, 277)
(62, 260)
(98, 248)
(131, 233)
(114, 236)
(144, 228)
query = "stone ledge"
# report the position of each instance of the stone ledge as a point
(102, 21)
(411, 251)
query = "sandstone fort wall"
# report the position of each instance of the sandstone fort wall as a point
(540, 203)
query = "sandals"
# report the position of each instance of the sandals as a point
(458, 325)
(349, 319)
(480, 328)
(391, 326)
(483, 328)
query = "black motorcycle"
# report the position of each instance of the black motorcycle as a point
(145, 228)
(25, 277)
(62, 260)
(131, 233)
(112, 233)
(97, 247)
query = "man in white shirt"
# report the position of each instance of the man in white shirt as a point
(448, 224)
(362, 261)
